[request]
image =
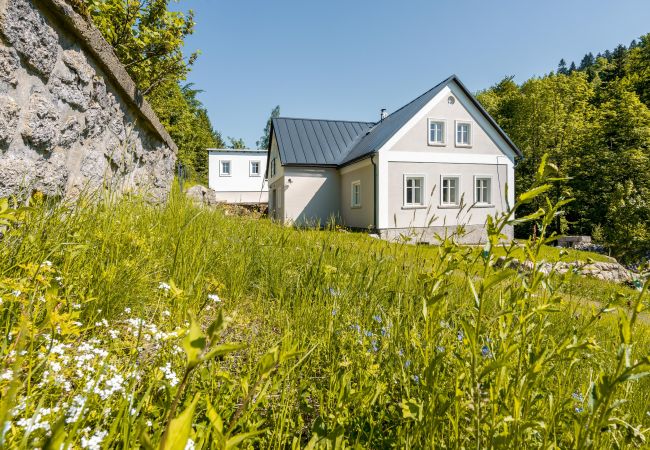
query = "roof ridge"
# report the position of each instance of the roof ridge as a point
(323, 120)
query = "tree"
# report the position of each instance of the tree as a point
(266, 137)
(572, 67)
(561, 67)
(147, 38)
(587, 61)
(236, 143)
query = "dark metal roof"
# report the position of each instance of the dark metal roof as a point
(316, 142)
(338, 143)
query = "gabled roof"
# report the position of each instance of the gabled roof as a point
(308, 142)
(316, 142)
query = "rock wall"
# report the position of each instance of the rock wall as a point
(71, 119)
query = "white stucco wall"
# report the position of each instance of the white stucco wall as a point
(310, 196)
(363, 216)
(241, 186)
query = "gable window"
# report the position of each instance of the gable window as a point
(272, 167)
(355, 196)
(483, 190)
(413, 190)
(254, 170)
(463, 134)
(450, 191)
(436, 132)
(224, 169)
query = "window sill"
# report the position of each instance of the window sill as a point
(483, 205)
(222, 175)
(437, 144)
(254, 176)
(355, 207)
(413, 207)
(448, 206)
(463, 145)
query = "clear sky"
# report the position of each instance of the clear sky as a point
(347, 59)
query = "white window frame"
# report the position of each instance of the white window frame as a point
(250, 169)
(470, 137)
(272, 170)
(490, 190)
(444, 132)
(458, 189)
(422, 204)
(221, 172)
(353, 203)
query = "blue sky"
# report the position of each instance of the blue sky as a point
(347, 59)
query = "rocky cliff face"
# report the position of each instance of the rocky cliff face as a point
(66, 124)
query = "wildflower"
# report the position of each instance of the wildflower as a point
(334, 311)
(149, 423)
(384, 331)
(113, 333)
(400, 352)
(166, 313)
(7, 375)
(47, 263)
(170, 375)
(375, 348)
(460, 335)
(407, 364)
(214, 297)
(356, 327)
(164, 286)
(76, 409)
(368, 333)
(76, 306)
(416, 379)
(377, 318)
(189, 445)
(16, 293)
(578, 409)
(93, 443)
(333, 292)
(127, 310)
(578, 397)
(440, 348)
(485, 351)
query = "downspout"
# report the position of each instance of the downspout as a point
(374, 191)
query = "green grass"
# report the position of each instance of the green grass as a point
(345, 340)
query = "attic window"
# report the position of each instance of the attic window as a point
(451, 100)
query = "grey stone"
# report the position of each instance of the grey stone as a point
(26, 30)
(202, 195)
(71, 81)
(96, 121)
(41, 130)
(9, 111)
(9, 64)
(70, 132)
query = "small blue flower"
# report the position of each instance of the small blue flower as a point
(368, 333)
(375, 348)
(333, 292)
(461, 335)
(578, 397)
(384, 331)
(485, 351)
(356, 327)
(377, 318)
(440, 348)
(400, 352)
(407, 364)
(334, 311)
(416, 379)
(578, 410)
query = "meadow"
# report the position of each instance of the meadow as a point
(130, 325)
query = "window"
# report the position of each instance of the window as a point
(273, 167)
(413, 190)
(483, 190)
(436, 132)
(225, 169)
(355, 200)
(450, 194)
(254, 169)
(463, 134)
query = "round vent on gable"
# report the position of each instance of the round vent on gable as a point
(451, 100)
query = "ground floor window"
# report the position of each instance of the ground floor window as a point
(255, 169)
(483, 190)
(413, 190)
(450, 187)
(224, 169)
(355, 201)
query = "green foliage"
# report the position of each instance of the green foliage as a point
(594, 122)
(236, 143)
(272, 337)
(266, 137)
(148, 39)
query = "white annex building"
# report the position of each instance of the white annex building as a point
(238, 175)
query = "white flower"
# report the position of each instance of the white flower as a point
(93, 443)
(170, 375)
(76, 409)
(7, 375)
(214, 297)
(127, 310)
(76, 306)
(47, 263)
(189, 445)
(166, 313)
(114, 333)
(149, 423)
(16, 293)
(164, 286)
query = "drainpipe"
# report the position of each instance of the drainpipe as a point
(374, 190)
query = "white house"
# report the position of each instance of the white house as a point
(438, 162)
(237, 175)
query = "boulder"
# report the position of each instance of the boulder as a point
(202, 195)
(42, 128)
(9, 111)
(71, 81)
(9, 64)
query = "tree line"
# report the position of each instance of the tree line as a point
(593, 120)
